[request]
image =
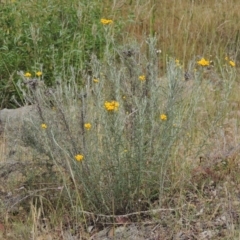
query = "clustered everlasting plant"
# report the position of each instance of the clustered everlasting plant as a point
(119, 151)
(27, 74)
(95, 80)
(79, 157)
(120, 126)
(88, 126)
(231, 62)
(43, 125)
(203, 62)
(106, 21)
(111, 106)
(117, 139)
(142, 78)
(163, 117)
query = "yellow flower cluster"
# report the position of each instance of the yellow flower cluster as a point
(177, 62)
(79, 157)
(142, 78)
(111, 106)
(231, 63)
(106, 21)
(203, 62)
(163, 117)
(27, 74)
(43, 126)
(39, 74)
(88, 126)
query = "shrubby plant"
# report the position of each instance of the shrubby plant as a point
(123, 129)
(115, 136)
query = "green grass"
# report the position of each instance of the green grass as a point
(134, 162)
(48, 37)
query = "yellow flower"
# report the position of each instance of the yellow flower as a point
(203, 62)
(79, 157)
(43, 125)
(96, 80)
(28, 74)
(87, 126)
(142, 78)
(106, 21)
(111, 106)
(38, 74)
(232, 63)
(177, 62)
(163, 117)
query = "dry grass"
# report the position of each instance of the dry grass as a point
(184, 29)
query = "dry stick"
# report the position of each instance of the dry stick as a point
(83, 113)
(41, 115)
(33, 194)
(131, 214)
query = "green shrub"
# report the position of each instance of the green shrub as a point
(120, 160)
